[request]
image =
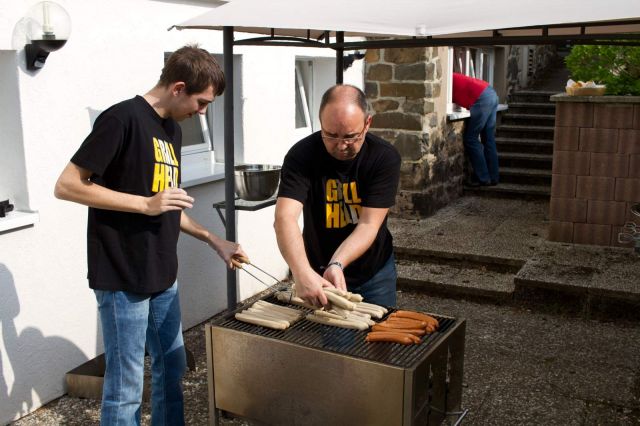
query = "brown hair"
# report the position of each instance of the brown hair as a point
(196, 67)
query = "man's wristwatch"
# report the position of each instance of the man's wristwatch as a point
(336, 263)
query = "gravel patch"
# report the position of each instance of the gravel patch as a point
(521, 368)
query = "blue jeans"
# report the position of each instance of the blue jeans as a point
(128, 321)
(381, 288)
(480, 138)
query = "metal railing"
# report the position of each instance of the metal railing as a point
(630, 231)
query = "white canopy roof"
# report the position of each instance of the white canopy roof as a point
(415, 17)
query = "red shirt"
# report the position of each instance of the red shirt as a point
(466, 90)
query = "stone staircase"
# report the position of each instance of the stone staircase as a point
(524, 138)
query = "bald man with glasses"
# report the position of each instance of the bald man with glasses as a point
(343, 180)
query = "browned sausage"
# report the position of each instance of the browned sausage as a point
(416, 315)
(400, 325)
(383, 336)
(413, 323)
(414, 331)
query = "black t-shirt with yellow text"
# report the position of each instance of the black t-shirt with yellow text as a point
(333, 193)
(132, 149)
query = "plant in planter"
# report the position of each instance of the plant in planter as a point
(616, 66)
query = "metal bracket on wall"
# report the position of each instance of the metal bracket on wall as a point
(249, 206)
(5, 207)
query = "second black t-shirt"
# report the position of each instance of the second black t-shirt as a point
(333, 193)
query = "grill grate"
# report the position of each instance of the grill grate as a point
(342, 341)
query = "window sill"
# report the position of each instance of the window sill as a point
(200, 172)
(18, 219)
(461, 115)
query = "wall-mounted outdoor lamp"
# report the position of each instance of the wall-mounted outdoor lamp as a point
(49, 27)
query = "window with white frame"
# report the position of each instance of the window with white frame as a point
(471, 61)
(196, 137)
(313, 76)
(304, 92)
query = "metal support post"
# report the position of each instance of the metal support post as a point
(229, 158)
(339, 58)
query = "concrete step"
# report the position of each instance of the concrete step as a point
(522, 145)
(525, 176)
(532, 107)
(581, 279)
(511, 190)
(525, 160)
(531, 96)
(524, 131)
(555, 285)
(444, 279)
(528, 119)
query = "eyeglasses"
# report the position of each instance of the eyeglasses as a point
(348, 141)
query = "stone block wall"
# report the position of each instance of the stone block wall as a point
(406, 90)
(596, 168)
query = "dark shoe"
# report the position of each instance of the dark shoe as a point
(493, 183)
(474, 183)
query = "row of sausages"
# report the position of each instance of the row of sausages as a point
(405, 327)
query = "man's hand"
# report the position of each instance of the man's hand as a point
(309, 287)
(335, 275)
(226, 250)
(168, 200)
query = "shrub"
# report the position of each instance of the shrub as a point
(616, 66)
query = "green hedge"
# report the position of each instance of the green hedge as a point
(616, 66)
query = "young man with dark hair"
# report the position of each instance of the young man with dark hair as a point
(128, 172)
(343, 180)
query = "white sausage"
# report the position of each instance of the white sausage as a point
(260, 321)
(367, 321)
(371, 305)
(336, 291)
(277, 312)
(286, 297)
(360, 314)
(343, 313)
(278, 307)
(357, 325)
(365, 310)
(327, 314)
(339, 301)
(354, 297)
(268, 315)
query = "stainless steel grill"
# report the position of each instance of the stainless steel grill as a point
(316, 374)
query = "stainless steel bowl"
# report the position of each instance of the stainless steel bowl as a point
(256, 182)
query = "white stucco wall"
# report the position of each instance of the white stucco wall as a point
(48, 314)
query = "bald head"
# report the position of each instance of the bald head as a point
(344, 94)
(344, 121)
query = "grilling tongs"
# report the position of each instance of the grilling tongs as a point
(238, 262)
